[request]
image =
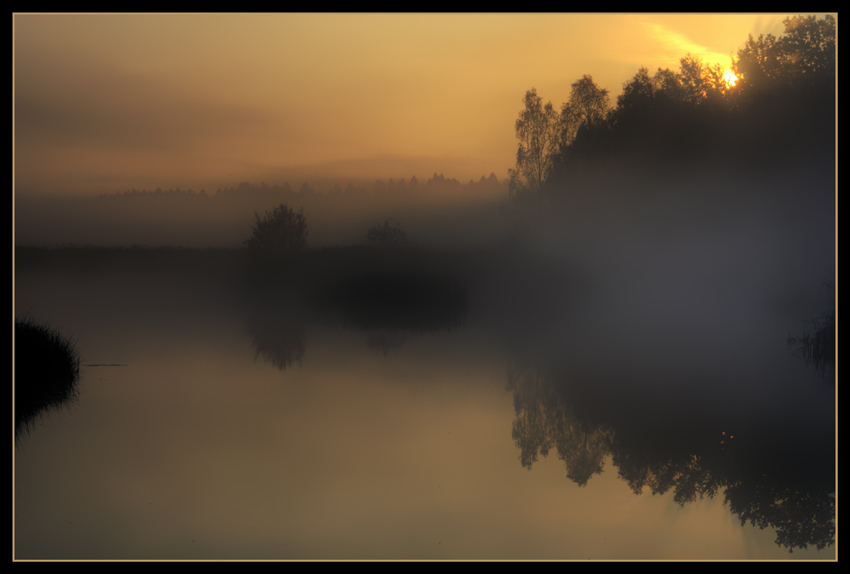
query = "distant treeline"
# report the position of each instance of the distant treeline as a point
(440, 210)
(778, 107)
(437, 183)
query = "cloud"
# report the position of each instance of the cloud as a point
(675, 45)
(122, 111)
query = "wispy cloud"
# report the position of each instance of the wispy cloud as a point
(675, 45)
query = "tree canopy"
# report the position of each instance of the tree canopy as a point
(587, 108)
(280, 231)
(536, 131)
(585, 112)
(804, 55)
(782, 105)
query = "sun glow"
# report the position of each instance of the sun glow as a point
(730, 78)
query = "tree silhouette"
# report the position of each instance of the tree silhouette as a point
(804, 54)
(699, 81)
(638, 93)
(668, 85)
(808, 46)
(281, 231)
(536, 130)
(586, 110)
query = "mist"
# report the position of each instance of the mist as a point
(437, 211)
(274, 297)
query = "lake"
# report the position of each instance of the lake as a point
(525, 412)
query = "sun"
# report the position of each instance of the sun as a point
(730, 78)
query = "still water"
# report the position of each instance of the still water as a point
(213, 425)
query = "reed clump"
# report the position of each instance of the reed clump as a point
(47, 371)
(817, 345)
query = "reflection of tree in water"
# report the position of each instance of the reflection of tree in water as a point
(390, 300)
(386, 341)
(799, 505)
(800, 518)
(817, 345)
(389, 294)
(279, 339)
(544, 420)
(689, 477)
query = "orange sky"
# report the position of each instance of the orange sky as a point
(109, 102)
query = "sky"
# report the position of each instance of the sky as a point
(110, 102)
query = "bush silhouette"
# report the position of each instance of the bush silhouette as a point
(281, 231)
(388, 235)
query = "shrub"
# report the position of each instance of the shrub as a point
(281, 231)
(388, 235)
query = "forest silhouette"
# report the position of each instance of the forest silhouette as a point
(781, 108)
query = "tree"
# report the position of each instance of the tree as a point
(636, 108)
(701, 83)
(808, 46)
(668, 85)
(638, 92)
(695, 79)
(536, 130)
(281, 231)
(804, 54)
(586, 111)
(758, 64)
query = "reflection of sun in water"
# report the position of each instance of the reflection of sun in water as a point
(730, 78)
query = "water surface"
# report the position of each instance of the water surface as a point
(236, 428)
